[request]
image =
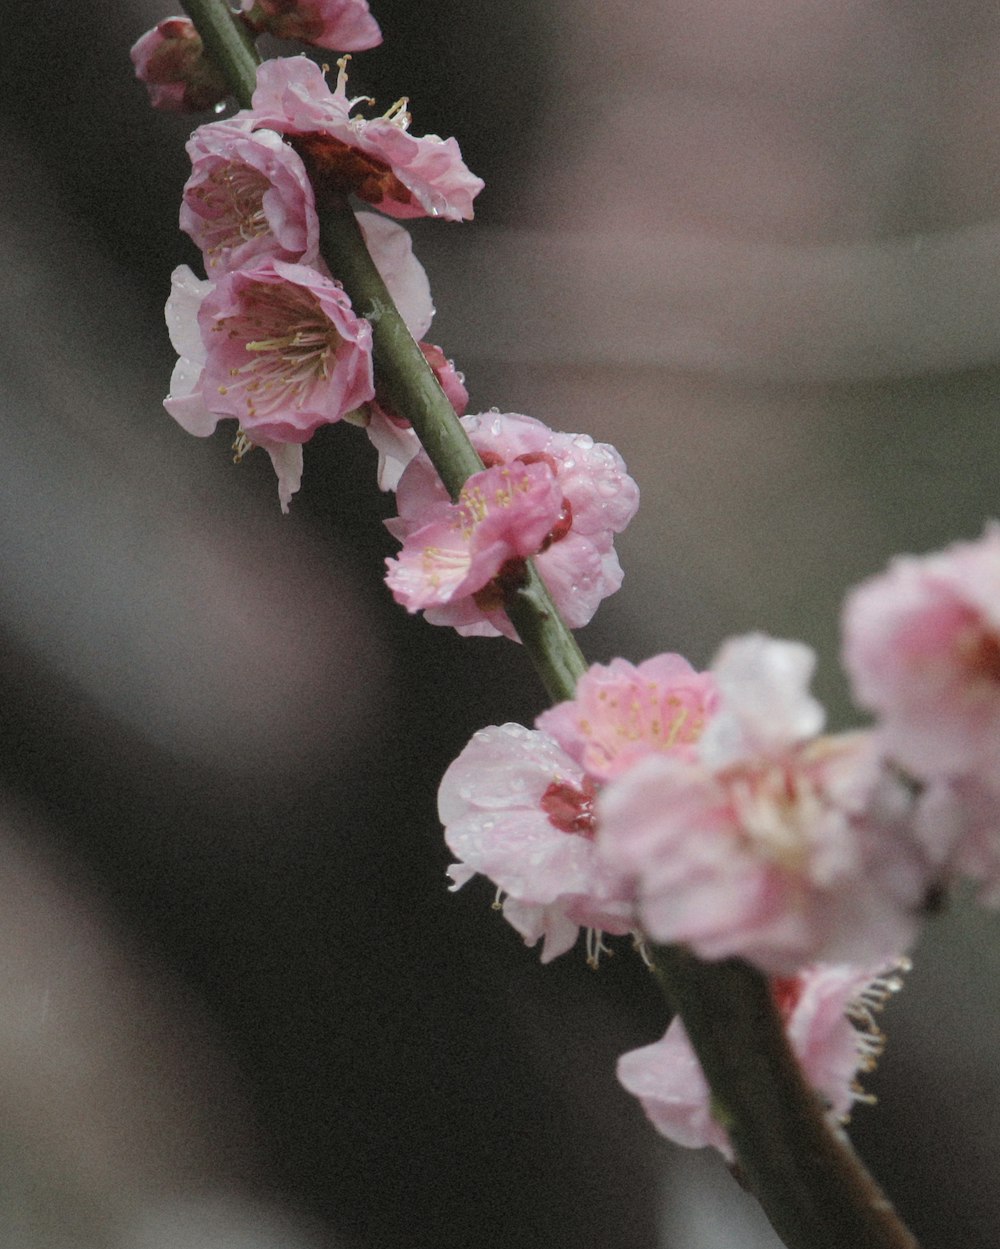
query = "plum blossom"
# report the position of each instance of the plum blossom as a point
(770, 844)
(376, 159)
(502, 514)
(517, 809)
(277, 347)
(922, 648)
(248, 196)
(829, 1016)
(343, 25)
(621, 712)
(170, 60)
(576, 558)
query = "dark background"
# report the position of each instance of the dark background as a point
(755, 250)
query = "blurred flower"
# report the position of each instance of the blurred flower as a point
(620, 713)
(171, 61)
(922, 648)
(342, 25)
(771, 844)
(828, 1012)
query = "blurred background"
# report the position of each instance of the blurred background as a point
(754, 246)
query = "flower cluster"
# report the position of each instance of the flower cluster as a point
(710, 810)
(270, 338)
(707, 809)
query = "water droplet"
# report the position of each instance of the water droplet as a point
(220, 107)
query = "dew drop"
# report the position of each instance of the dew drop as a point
(219, 108)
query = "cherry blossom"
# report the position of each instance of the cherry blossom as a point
(922, 648)
(771, 844)
(170, 59)
(376, 159)
(343, 25)
(829, 1016)
(517, 809)
(621, 712)
(503, 514)
(576, 559)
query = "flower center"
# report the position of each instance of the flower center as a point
(571, 809)
(982, 656)
(289, 342)
(231, 205)
(779, 813)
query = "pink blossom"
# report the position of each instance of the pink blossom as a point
(621, 713)
(828, 1011)
(276, 346)
(375, 159)
(342, 25)
(502, 514)
(392, 435)
(770, 845)
(958, 825)
(577, 560)
(518, 809)
(320, 367)
(170, 60)
(922, 648)
(248, 196)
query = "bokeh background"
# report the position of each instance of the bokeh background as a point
(754, 246)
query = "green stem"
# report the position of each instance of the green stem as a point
(228, 43)
(404, 376)
(808, 1180)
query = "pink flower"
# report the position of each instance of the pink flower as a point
(958, 824)
(620, 713)
(377, 159)
(829, 1019)
(301, 357)
(922, 648)
(170, 60)
(576, 560)
(772, 844)
(518, 810)
(503, 514)
(276, 346)
(248, 196)
(343, 25)
(392, 435)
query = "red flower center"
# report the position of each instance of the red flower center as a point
(570, 809)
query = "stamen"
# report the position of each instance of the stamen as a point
(596, 947)
(241, 446)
